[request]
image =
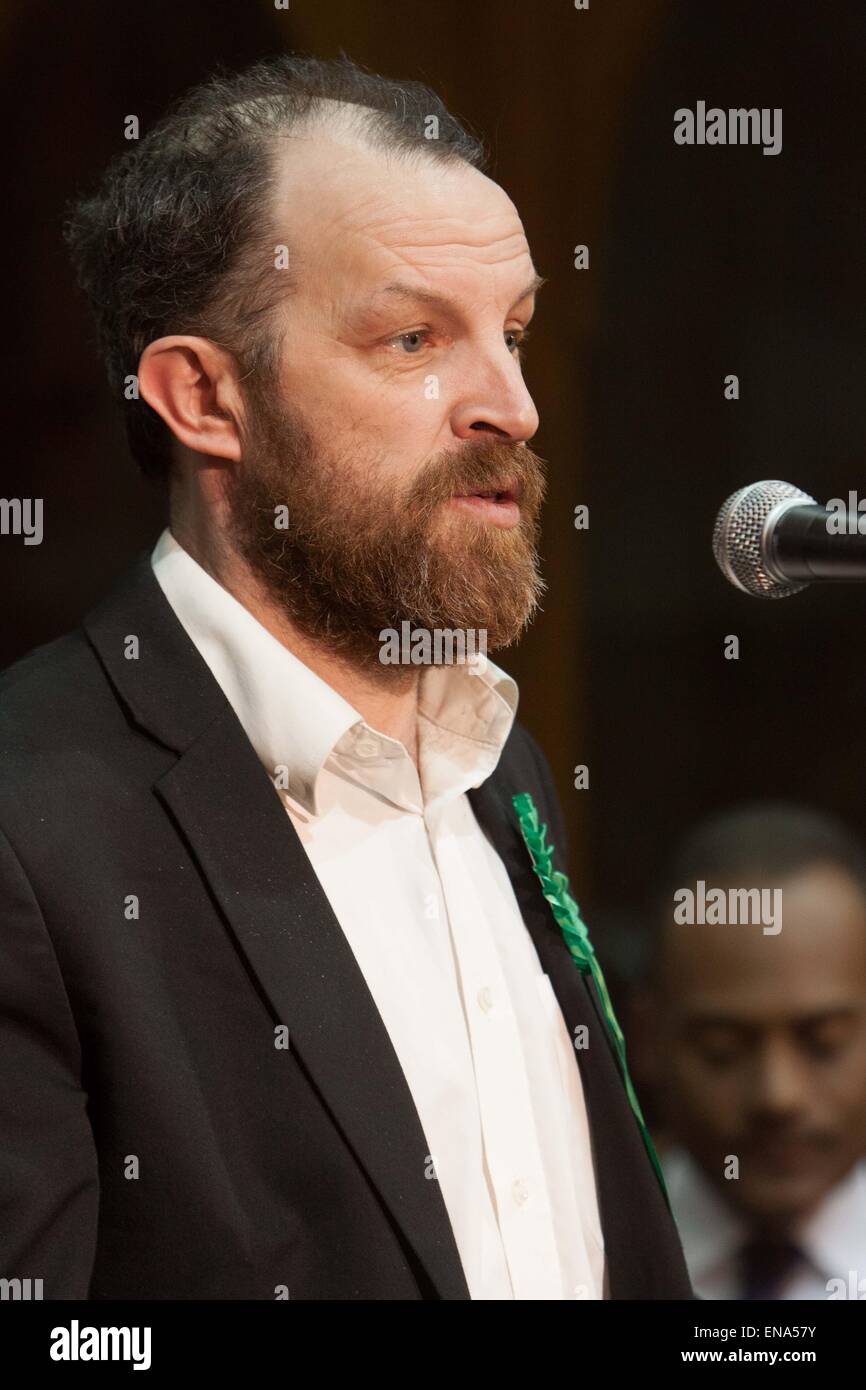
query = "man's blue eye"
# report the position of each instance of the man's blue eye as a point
(416, 338)
(418, 333)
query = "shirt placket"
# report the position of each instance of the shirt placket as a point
(504, 1099)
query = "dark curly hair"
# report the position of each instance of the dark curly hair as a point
(179, 237)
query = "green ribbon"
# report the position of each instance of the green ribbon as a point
(567, 913)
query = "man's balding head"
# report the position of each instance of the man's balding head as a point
(180, 237)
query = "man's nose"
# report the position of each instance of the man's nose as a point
(777, 1083)
(496, 401)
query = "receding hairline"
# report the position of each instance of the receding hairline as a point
(354, 125)
(337, 120)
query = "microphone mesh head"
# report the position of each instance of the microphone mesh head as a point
(737, 537)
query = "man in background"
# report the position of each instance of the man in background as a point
(754, 1033)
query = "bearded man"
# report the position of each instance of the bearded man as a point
(285, 1012)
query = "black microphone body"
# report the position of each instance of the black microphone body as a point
(800, 546)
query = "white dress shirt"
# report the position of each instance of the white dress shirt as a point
(832, 1239)
(429, 912)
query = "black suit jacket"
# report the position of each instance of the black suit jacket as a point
(155, 1142)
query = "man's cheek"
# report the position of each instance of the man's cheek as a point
(711, 1099)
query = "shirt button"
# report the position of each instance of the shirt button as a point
(485, 1000)
(367, 747)
(520, 1192)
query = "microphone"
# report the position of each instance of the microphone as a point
(772, 540)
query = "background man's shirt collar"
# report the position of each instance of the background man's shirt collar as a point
(832, 1239)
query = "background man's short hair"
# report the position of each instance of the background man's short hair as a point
(179, 236)
(760, 843)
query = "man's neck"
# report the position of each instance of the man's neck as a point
(390, 706)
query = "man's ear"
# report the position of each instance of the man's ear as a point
(193, 385)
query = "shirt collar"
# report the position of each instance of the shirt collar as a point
(710, 1230)
(297, 722)
(834, 1237)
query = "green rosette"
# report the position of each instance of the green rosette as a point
(567, 913)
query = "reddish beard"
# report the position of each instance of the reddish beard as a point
(345, 551)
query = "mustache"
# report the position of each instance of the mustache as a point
(486, 466)
(771, 1134)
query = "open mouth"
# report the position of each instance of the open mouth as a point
(499, 506)
(510, 492)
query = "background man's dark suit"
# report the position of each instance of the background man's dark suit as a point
(154, 1037)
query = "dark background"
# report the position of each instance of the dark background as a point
(703, 261)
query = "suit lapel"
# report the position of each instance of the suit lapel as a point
(618, 1154)
(260, 875)
(491, 803)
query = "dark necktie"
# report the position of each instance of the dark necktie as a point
(765, 1264)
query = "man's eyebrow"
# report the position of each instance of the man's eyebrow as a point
(398, 290)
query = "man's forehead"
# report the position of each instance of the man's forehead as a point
(444, 258)
(446, 293)
(385, 227)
